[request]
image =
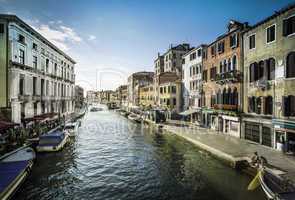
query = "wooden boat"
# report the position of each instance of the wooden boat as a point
(72, 128)
(134, 117)
(53, 141)
(274, 186)
(14, 169)
(95, 109)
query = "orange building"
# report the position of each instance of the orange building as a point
(222, 81)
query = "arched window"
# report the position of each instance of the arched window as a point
(220, 67)
(253, 70)
(224, 96)
(224, 66)
(260, 70)
(235, 96)
(218, 97)
(290, 65)
(270, 68)
(229, 64)
(230, 96)
(234, 62)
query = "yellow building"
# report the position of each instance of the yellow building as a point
(146, 96)
(170, 92)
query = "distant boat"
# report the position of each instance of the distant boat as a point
(72, 128)
(95, 109)
(53, 141)
(134, 117)
(14, 169)
(274, 186)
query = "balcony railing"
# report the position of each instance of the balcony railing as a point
(24, 97)
(225, 107)
(36, 97)
(230, 76)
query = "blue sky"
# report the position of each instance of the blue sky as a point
(110, 39)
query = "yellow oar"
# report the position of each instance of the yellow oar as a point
(255, 182)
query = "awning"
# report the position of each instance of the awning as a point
(5, 125)
(189, 112)
(283, 124)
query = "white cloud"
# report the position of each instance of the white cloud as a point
(91, 37)
(59, 35)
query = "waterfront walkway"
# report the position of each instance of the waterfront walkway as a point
(232, 149)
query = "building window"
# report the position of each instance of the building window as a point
(213, 50)
(21, 38)
(260, 74)
(213, 73)
(220, 47)
(21, 56)
(268, 105)
(289, 26)
(47, 65)
(199, 52)
(21, 84)
(252, 41)
(266, 136)
(234, 63)
(205, 75)
(192, 56)
(174, 55)
(35, 46)
(271, 34)
(1, 28)
(252, 132)
(270, 69)
(34, 85)
(174, 101)
(233, 40)
(290, 65)
(254, 105)
(35, 61)
(229, 65)
(289, 106)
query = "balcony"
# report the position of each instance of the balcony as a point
(24, 97)
(36, 97)
(228, 77)
(225, 107)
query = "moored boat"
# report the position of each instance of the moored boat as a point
(14, 168)
(95, 109)
(53, 141)
(274, 186)
(72, 128)
(134, 117)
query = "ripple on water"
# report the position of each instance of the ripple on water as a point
(112, 158)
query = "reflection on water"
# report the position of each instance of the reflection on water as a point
(113, 158)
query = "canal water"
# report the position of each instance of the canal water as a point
(114, 158)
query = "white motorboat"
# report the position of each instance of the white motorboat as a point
(134, 118)
(53, 141)
(14, 169)
(72, 128)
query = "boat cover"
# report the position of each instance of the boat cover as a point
(51, 139)
(9, 171)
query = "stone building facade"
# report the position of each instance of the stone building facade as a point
(269, 81)
(36, 77)
(192, 68)
(146, 96)
(222, 82)
(170, 92)
(135, 81)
